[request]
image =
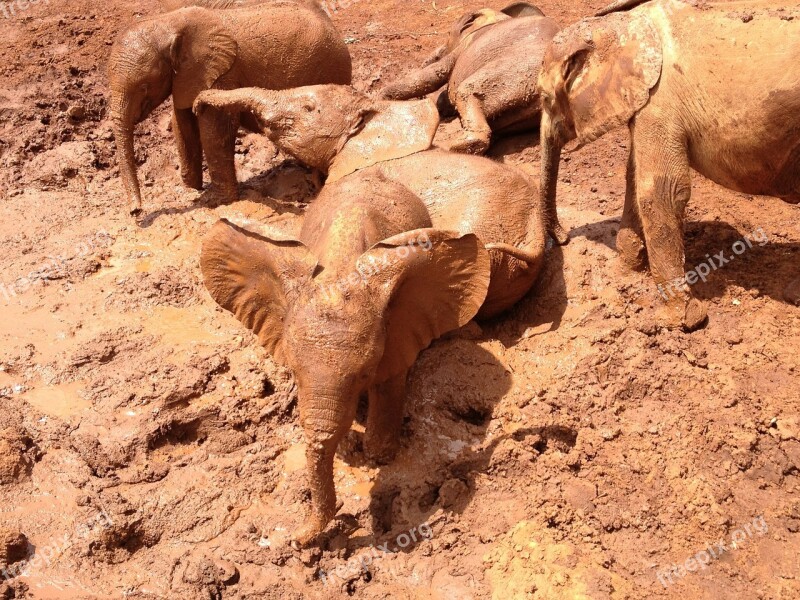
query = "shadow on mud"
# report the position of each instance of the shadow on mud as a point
(286, 189)
(765, 267)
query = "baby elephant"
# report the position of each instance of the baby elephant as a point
(699, 87)
(383, 179)
(490, 64)
(278, 45)
(348, 307)
(341, 131)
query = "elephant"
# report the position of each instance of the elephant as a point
(377, 156)
(277, 44)
(489, 64)
(699, 87)
(348, 306)
(340, 131)
(170, 5)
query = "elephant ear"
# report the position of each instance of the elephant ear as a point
(522, 9)
(255, 278)
(430, 282)
(390, 130)
(201, 52)
(608, 79)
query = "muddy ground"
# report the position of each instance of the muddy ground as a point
(150, 449)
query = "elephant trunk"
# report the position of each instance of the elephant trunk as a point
(326, 418)
(124, 119)
(261, 103)
(552, 145)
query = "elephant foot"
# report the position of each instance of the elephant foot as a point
(792, 292)
(313, 527)
(631, 250)
(473, 143)
(218, 195)
(695, 315)
(308, 533)
(688, 314)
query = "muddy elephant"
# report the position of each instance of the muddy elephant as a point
(277, 44)
(490, 65)
(348, 306)
(377, 156)
(340, 131)
(169, 5)
(698, 87)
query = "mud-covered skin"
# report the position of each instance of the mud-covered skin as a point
(348, 307)
(276, 45)
(694, 96)
(490, 65)
(341, 132)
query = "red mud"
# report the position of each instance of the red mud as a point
(150, 449)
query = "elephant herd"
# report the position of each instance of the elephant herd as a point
(407, 241)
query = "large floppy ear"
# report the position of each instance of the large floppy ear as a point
(609, 77)
(201, 51)
(255, 278)
(522, 9)
(430, 282)
(389, 130)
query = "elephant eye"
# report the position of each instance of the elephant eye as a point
(309, 107)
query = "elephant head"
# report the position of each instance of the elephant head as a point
(339, 340)
(179, 53)
(333, 128)
(596, 76)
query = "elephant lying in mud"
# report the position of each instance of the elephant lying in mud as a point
(278, 44)
(490, 64)
(340, 131)
(382, 181)
(348, 307)
(699, 87)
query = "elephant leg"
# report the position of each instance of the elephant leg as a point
(663, 189)
(630, 239)
(218, 136)
(477, 133)
(421, 82)
(385, 418)
(487, 102)
(322, 442)
(190, 150)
